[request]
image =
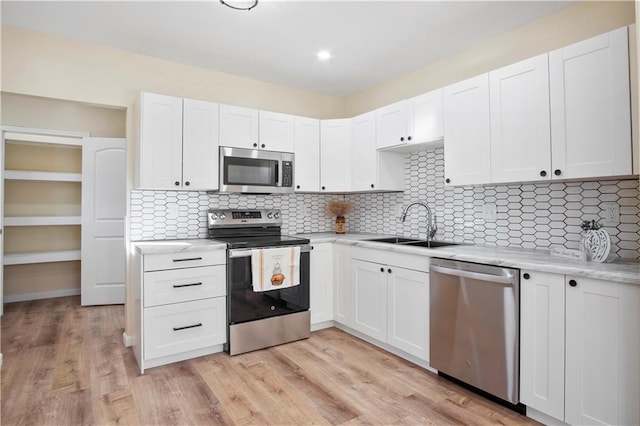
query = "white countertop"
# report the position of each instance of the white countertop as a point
(177, 246)
(535, 260)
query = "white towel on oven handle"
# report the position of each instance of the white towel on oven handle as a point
(275, 268)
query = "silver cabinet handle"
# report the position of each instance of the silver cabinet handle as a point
(497, 279)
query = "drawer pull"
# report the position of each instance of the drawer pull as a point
(187, 259)
(187, 326)
(186, 285)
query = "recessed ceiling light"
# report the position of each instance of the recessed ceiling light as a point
(324, 55)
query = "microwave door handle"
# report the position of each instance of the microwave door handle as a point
(277, 173)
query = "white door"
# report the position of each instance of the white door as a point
(364, 158)
(369, 281)
(160, 160)
(542, 342)
(590, 107)
(276, 131)
(391, 125)
(321, 287)
(408, 310)
(520, 129)
(335, 155)
(307, 151)
(104, 175)
(602, 347)
(425, 117)
(467, 145)
(238, 127)
(200, 145)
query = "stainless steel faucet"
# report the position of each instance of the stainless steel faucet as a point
(431, 223)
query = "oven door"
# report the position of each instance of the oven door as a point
(247, 305)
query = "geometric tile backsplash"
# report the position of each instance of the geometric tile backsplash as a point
(535, 215)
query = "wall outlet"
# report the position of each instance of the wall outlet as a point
(610, 214)
(172, 211)
(489, 212)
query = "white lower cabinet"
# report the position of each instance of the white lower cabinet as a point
(390, 301)
(321, 283)
(180, 307)
(580, 340)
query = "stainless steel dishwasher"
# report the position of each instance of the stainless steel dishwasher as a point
(474, 325)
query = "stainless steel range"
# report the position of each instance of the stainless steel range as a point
(259, 319)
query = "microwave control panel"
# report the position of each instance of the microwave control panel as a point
(287, 173)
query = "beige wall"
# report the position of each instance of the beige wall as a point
(36, 278)
(575, 23)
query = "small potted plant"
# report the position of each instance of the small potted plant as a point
(339, 209)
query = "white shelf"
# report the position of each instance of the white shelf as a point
(42, 220)
(42, 176)
(30, 138)
(41, 257)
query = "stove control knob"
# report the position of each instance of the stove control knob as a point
(276, 215)
(269, 215)
(222, 216)
(214, 216)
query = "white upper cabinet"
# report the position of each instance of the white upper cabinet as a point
(335, 155)
(238, 127)
(425, 118)
(178, 145)
(276, 131)
(252, 129)
(307, 154)
(467, 144)
(364, 164)
(200, 145)
(160, 159)
(590, 107)
(411, 122)
(520, 129)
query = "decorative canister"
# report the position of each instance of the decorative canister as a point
(596, 241)
(341, 225)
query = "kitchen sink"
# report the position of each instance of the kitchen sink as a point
(413, 242)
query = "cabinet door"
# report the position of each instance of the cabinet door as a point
(343, 308)
(542, 342)
(520, 129)
(307, 154)
(369, 282)
(160, 161)
(276, 131)
(408, 310)
(602, 352)
(392, 125)
(364, 157)
(200, 145)
(590, 107)
(335, 155)
(467, 146)
(238, 127)
(321, 287)
(425, 117)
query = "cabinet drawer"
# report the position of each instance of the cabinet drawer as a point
(183, 285)
(159, 262)
(182, 327)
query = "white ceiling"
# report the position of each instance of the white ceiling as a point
(371, 41)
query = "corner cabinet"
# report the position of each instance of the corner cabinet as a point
(580, 340)
(335, 155)
(467, 142)
(179, 306)
(178, 143)
(307, 154)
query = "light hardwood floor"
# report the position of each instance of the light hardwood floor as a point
(66, 365)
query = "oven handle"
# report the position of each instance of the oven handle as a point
(247, 252)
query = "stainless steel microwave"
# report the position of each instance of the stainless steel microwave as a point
(255, 171)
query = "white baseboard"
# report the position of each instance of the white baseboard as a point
(44, 295)
(321, 325)
(126, 339)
